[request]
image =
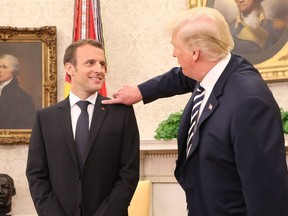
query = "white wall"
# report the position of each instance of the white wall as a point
(136, 50)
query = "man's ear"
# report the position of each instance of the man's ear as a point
(69, 68)
(13, 191)
(196, 55)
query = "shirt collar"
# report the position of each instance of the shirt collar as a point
(213, 75)
(74, 99)
(2, 85)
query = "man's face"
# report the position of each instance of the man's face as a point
(6, 191)
(88, 75)
(184, 57)
(246, 6)
(6, 70)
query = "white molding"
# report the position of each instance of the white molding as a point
(169, 145)
(158, 145)
(158, 160)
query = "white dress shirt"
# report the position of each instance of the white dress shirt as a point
(2, 85)
(211, 78)
(75, 109)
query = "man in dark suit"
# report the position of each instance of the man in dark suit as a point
(104, 181)
(236, 165)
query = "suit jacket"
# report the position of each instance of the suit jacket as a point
(17, 110)
(106, 184)
(237, 164)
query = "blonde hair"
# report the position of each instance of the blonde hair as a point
(205, 29)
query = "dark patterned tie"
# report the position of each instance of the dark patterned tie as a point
(82, 130)
(197, 100)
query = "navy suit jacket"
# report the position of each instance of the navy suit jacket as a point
(110, 174)
(237, 165)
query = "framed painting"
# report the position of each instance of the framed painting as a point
(267, 48)
(28, 79)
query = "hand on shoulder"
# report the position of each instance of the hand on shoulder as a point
(126, 95)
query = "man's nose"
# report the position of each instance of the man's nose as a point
(99, 68)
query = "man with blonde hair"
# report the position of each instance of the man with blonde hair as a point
(231, 153)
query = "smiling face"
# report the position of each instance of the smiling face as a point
(88, 74)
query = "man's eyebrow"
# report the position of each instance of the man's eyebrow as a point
(89, 60)
(102, 62)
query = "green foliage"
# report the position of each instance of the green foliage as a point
(284, 116)
(168, 129)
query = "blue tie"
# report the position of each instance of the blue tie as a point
(197, 100)
(82, 130)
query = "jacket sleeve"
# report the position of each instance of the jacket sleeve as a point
(171, 83)
(45, 202)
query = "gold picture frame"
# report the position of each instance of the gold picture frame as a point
(36, 47)
(275, 67)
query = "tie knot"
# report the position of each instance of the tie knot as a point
(200, 89)
(199, 95)
(83, 104)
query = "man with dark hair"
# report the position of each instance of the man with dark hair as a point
(7, 190)
(83, 157)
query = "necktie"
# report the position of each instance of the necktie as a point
(197, 100)
(82, 130)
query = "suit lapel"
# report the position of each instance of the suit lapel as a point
(64, 116)
(212, 102)
(184, 125)
(100, 111)
(209, 108)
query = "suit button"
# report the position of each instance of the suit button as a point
(78, 205)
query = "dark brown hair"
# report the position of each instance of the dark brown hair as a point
(69, 55)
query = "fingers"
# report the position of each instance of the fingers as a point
(126, 95)
(111, 101)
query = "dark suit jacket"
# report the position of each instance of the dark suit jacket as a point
(17, 110)
(106, 184)
(237, 165)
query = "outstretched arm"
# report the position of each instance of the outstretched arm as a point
(171, 83)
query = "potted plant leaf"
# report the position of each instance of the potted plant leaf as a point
(168, 128)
